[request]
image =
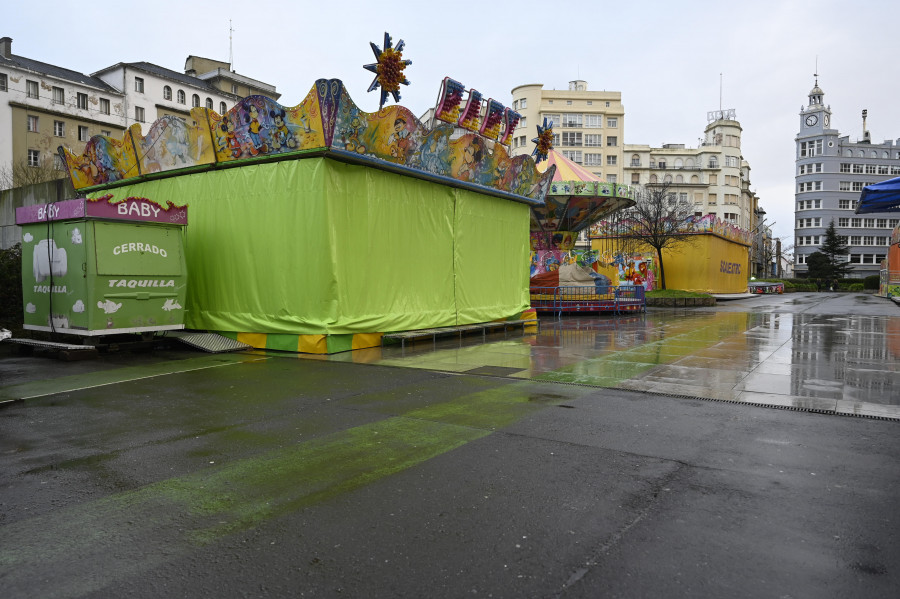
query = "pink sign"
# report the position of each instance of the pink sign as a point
(131, 209)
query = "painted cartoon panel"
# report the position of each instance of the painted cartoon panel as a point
(105, 160)
(172, 144)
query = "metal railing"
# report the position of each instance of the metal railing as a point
(596, 298)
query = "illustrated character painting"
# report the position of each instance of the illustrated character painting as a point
(229, 141)
(352, 143)
(253, 129)
(400, 141)
(472, 156)
(282, 137)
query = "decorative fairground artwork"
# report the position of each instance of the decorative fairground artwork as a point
(698, 224)
(328, 122)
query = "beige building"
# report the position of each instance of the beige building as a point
(43, 106)
(714, 177)
(588, 126)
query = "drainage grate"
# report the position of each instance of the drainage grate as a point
(209, 342)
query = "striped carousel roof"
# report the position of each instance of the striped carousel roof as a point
(566, 170)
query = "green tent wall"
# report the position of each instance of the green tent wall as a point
(321, 247)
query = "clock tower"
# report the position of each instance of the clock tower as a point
(815, 118)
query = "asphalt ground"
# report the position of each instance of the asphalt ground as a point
(180, 474)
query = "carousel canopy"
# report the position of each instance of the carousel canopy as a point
(577, 198)
(566, 170)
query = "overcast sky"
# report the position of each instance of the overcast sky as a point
(667, 58)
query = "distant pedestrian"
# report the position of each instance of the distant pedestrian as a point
(818, 284)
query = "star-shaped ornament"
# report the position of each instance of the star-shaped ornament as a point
(388, 69)
(543, 142)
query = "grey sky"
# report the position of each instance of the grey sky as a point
(665, 57)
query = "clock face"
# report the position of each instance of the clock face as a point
(811, 120)
(827, 120)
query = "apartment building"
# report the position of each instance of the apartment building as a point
(588, 126)
(715, 177)
(44, 106)
(830, 173)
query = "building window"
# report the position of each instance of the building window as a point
(167, 93)
(571, 138)
(809, 204)
(808, 169)
(4, 82)
(106, 133)
(612, 140)
(222, 108)
(59, 128)
(882, 169)
(870, 169)
(844, 186)
(83, 134)
(195, 101)
(882, 223)
(610, 178)
(139, 114)
(31, 90)
(635, 178)
(847, 204)
(104, 106)
(810, 148)
(858, 169)
(139, 85)
(552, 120)
(556, 140)
(573, 155)
(59, 95)
(32, 124)
(234, 88)
(209, 103)
(593, 159)
(611, 160)
(593, 140)
(612, 122)
(181, 96)
(568, 102)
(804, 223)
(523, 103)
(571, 120)
(82, 101)
(58, 164)
(593, 121)
(522, 123)
(857, 186)
(810, 186)
(731, 161)
(845, 167)
(34, 158)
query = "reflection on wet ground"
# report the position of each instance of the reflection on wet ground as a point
(846, 364)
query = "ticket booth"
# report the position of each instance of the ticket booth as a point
(93, 267)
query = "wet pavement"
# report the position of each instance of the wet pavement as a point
(524, 466)
(825, 352)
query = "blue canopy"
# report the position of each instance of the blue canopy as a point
(880, 197)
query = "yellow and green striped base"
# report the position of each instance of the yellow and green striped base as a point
(332, 344)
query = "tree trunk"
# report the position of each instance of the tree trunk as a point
(662, 270)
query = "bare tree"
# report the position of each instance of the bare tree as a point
(21, 174)
(658, 219)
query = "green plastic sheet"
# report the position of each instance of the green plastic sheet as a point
(318, 246)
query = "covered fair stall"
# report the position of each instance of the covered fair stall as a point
(319, 227)
(884, 196)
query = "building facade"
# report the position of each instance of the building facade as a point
(715, 177)
(830, 173)
(588, 126)
(43, 106)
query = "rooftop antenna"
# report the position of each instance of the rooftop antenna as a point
(230, 47)
(720, 91)
(816, 74)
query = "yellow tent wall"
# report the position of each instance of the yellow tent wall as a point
(706, 264)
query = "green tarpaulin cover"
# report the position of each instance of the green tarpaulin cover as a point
(317, 246)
